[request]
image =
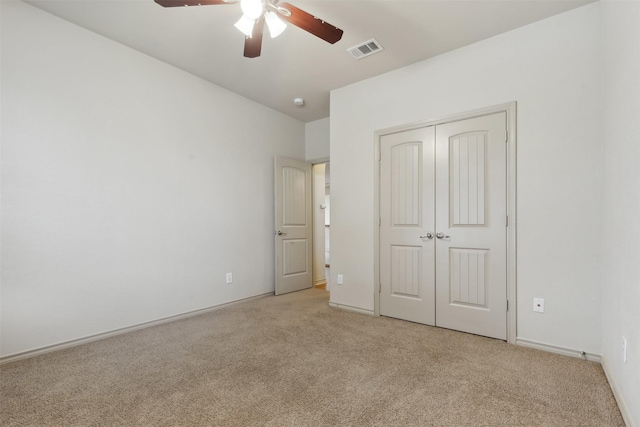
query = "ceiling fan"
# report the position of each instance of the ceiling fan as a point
(257, 12)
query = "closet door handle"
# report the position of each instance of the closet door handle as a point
(429, 236)
(442, 236)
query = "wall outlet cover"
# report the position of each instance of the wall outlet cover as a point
(340, 279)
(538, 305)
(229, 277)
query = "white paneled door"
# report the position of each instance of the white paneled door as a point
(471, 215)
(406, 225)
(293, 225)
(443, 225)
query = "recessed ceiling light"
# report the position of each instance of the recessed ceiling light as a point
(298, 101)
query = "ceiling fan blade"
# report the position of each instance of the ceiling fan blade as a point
(310, 23)
(180, 3)
(253, 44)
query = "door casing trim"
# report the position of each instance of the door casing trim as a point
(510, 109)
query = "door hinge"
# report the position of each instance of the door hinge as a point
(379, 221)
(379, 156)
(506, 221)
(507, 305)
(380, 287)
(506, 137)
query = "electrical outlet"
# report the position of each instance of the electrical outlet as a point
(340, 279)
(229, 277)
(624, 349)
(538, 305)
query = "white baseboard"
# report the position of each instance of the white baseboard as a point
(624, 410)
(559, 350)
(103, 335)
(350, 308)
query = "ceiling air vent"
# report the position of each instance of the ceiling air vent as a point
(365, 49)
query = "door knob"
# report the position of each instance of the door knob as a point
(429, 235)
(280, 233)
(441, 236)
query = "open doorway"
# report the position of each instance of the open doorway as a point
(321, 225)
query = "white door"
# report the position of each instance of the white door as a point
(467, 203)
(293, 225)
(407, 289)
(471, 209)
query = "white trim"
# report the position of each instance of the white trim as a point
(90, 338)
(624, 410)
(318, 161)
(376, 222)
(350, 308)
(512, 247)
(558, 350)
(510, 110)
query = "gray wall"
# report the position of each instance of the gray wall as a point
(129, 187)
(621, 200)
(317, 141)
(578, 229)
(552, 69)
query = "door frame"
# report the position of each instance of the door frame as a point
(314, 205)
(510, 110)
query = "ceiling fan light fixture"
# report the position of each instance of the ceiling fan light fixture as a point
(275, 24)
(245, 25)
(255, 13)
(251, 8)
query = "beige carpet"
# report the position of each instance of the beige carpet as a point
(293, 361)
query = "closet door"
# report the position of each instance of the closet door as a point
(471, 233)
(406, 226)
(443, 225)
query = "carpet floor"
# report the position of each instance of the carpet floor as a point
(292, 360)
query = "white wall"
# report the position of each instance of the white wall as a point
(621, 203)
(129, 187)
(317, 141)
(551, 68)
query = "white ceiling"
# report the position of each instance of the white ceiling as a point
(203, 41)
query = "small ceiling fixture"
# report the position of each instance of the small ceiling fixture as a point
(256, 12)
(298, 101)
